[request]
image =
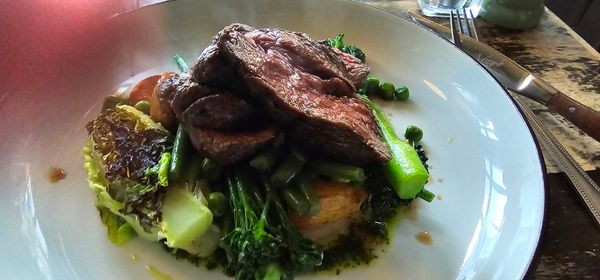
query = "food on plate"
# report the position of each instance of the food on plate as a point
(267, 157)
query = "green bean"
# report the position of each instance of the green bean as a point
(143, 106)
(386, 91)
(296, 200)
(287, 170)
(310, 173)
(181, 147)
(243, 175)
(297, 152)
(210, 169)
(217, 203)
(371, 86)
(413, 134)
(340, 180)
(401, 93)
(426, 195)
(339, 171)
(358, 185)
(405, 172)
(183, 67)
(306, 188)
(265, 160)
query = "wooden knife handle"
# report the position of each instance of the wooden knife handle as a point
(586, 118)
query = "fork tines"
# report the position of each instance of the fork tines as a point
(462, 22)
(454, 29)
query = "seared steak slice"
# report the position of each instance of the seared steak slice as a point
(185, 99)
(209, 114)
(228, 147)
(176, 91)
(215, 70)
(305, 54)
(220, 127)
(218, 111)
(200, 105)
(357, 70)
(342, 127)
(212, 68)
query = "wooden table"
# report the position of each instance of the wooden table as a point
(570, 244)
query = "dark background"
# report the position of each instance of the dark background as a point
(583, 16)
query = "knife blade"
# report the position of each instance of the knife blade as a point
(587, 189)
(513, 76)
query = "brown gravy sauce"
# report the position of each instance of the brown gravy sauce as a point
(424, 238)
(56, 174)
(410, 212)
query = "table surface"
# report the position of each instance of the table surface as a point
(570, 244)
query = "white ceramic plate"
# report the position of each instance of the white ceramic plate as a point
(485, 163)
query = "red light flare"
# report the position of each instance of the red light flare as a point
(40, 38)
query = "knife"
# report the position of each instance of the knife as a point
(587, 189)
(515, 77)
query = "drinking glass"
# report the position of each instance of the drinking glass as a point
(442, 8)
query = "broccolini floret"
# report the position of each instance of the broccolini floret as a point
(301, 254)
(267, 246)
(250, 247)
(338, 42)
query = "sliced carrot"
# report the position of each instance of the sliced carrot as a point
(143, 89)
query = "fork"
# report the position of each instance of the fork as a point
(587, 189)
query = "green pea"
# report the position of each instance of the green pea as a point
(371, 86)
(143, 106)
(217, 203)
(413, 134)
(386, 91)
(401, 93)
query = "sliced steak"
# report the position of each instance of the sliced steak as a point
(228, 147)
(176, 91)
(305, 54)
(357, 70)
(184, 100)
(218, 111)
(207, 103)
(341, 127)
(213, 69)
(201, 105)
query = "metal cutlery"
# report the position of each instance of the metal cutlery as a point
(583, 184)
(515, 77)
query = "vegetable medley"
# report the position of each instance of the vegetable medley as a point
(284, 211)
